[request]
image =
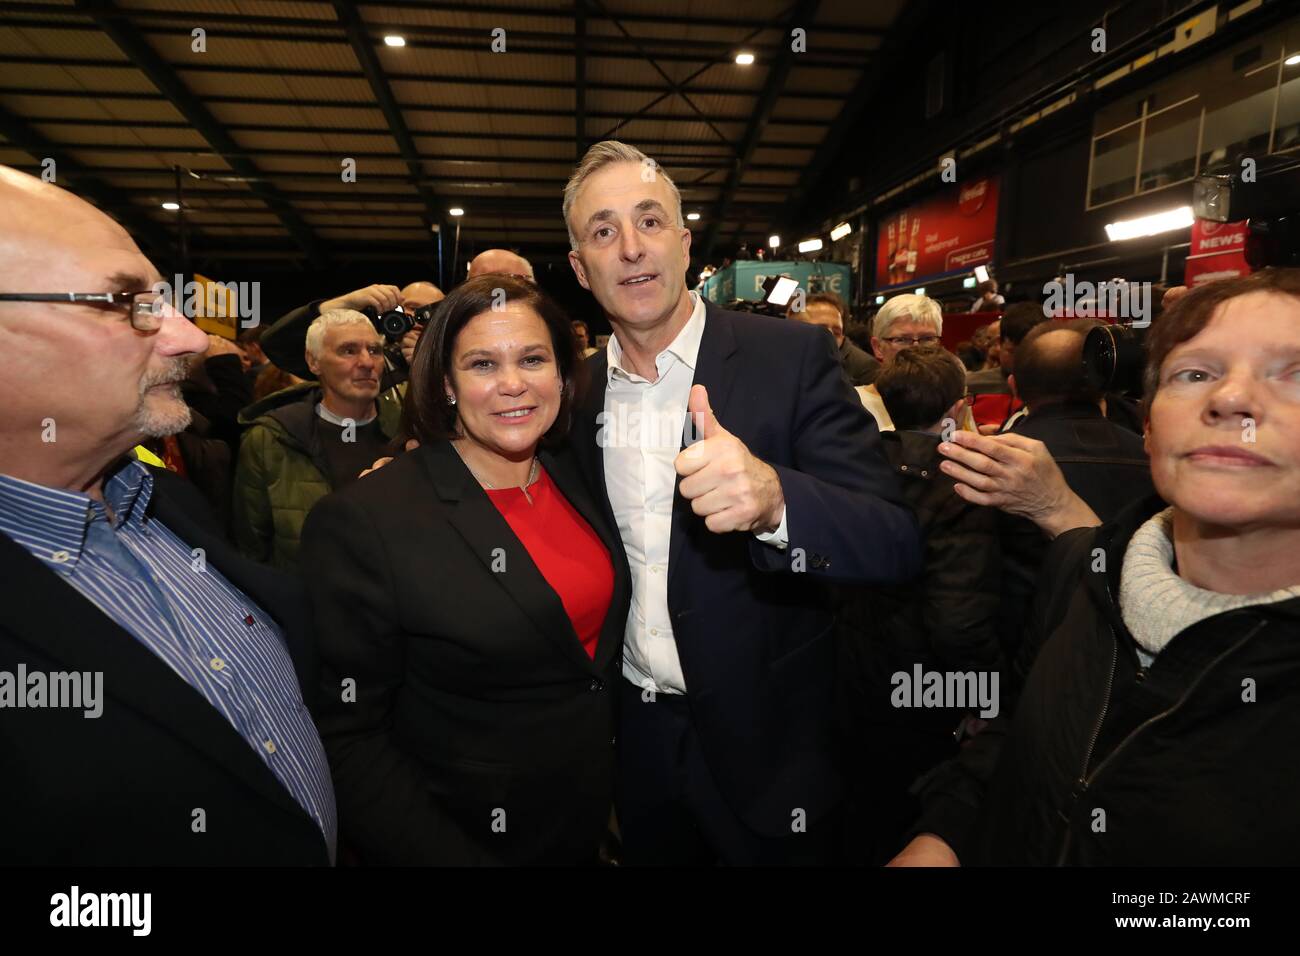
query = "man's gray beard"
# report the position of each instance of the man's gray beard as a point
(174, 416)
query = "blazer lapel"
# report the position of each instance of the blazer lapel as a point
(715, 369)
(571, 484)
(73, 631)
(503, 555)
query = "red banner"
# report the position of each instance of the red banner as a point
(951, 232)
(1218, 251)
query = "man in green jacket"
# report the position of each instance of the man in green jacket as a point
(311, 439)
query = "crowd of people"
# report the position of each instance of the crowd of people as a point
(483, 593)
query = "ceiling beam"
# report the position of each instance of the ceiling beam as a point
(803, 14)
(499, 110)
(451, 39)
(371, 131)
(25, 59)
(579, 79)
(191, 107)
(364, 51)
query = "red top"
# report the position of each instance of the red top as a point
(571, 557)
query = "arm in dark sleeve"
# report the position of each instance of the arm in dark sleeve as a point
(233, 393)
(952, 792)
(962, 572)
(385, 801)
(844, 510)
(285, 342)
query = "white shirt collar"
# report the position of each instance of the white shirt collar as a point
(333, 419)
(685, 347)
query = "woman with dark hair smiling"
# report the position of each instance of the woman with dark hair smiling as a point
(470, 599)
(1157, 724)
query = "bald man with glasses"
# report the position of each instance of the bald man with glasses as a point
(197, 747)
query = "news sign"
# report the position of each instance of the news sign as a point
(1217, 251)
(951, 232)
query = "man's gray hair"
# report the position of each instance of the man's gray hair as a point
(329, 320)
(597, 158)
(921, 309)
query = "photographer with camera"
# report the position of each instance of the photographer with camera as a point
(307, 441)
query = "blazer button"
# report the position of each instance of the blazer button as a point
(597, 685)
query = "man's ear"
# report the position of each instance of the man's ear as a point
(1011, 384)
(312, 364)
(686, 250)
(576, 261)
(955, 412)
(877, 350)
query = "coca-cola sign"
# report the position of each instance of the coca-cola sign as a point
(949, 233)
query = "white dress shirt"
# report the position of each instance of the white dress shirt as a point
(641, 432)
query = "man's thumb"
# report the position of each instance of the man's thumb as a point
(702, 421)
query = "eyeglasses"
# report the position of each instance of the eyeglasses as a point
(902, 341)
(144, 309)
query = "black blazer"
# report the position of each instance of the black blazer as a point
(481, 731)
(121, 789)
(753, 624)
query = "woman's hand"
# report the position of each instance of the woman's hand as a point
(1017, 475)
(926, 850)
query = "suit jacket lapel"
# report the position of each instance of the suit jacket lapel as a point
(76, 633)
(715, 369)
(494, 543)
(572, 485)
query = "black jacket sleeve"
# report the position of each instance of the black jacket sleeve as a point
(844, 507)
(285, 342)
(387, 809)
(951, 793)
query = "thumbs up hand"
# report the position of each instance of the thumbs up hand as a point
(726, 485)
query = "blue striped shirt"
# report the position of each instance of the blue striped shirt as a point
(138, 572)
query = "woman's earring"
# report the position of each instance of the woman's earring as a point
(451, 399)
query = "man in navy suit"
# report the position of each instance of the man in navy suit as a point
(726, 749)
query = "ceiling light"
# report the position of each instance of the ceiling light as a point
(394, 40)
(692, 216)
(173, 206)
(1292, 60)
(1179, 218)
(456, 211)
(920, 290)
(810, 245)
(744, 59)
(774, 242)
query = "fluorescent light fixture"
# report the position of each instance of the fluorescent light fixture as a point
(880, 300)
(456, 211)
(840, 231)
(968, 282)
(1292, 60)
(692, 216)
(1179, 218)
(173, 206)
(774, 242)
(810, 245)
(981, 274)
(744, 59)
(394, 40)
(920, 290)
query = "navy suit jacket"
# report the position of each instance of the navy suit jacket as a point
(753, 624)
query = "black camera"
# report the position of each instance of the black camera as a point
(1266, 192)
(1113, 359)
(395, 323)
